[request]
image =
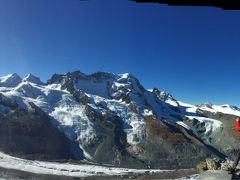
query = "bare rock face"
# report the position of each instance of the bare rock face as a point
(164, 140)
(111, 139)
(225, 139)
(31, 135)
(8, 103)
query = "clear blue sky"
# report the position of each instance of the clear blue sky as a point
(193, 53)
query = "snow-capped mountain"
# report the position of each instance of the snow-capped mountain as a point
(111, 119)
(11, 80)
(33, 79)
(225, 109)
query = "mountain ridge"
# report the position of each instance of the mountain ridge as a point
(30, 76)
(114, 113)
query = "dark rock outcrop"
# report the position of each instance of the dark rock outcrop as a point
(226, 139)
(166, 146)
(31, 135)
(111, 145)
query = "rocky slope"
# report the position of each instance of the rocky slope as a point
(109, 119)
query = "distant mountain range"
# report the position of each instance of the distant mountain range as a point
(110, 119)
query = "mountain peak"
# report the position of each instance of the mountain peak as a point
(127, 76)
(164, 96)
(206, 105)
(33, 79)
(10, 80)
(9, 76)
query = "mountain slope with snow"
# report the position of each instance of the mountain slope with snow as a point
(10, 80)
(114, 113)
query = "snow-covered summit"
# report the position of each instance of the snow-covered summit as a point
(11, 80)
(33, 79)
(225, 109)
(165, 97)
